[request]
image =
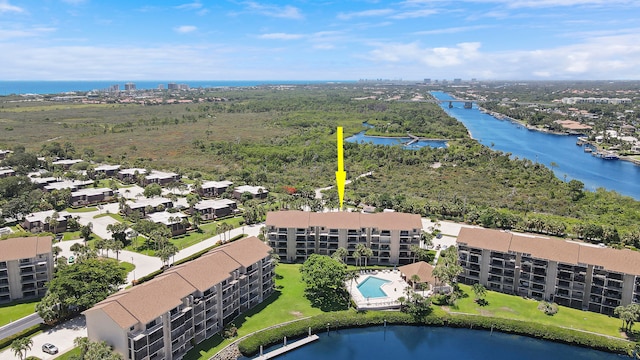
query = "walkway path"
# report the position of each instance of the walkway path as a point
(320, 190)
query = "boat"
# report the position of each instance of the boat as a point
(610, 156)
(588, 149)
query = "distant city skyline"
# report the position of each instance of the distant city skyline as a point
(312, 40)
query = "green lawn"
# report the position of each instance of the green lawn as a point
(71, 354)
(81, 210)
(285, 304)
(127, 266)
(117, 217)
(71, 235)
(16, 310)
(515, 307)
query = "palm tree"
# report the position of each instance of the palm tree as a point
(350, 277)
(117, 246)
(83, 344)
(414, 280)
(20, 346)
(340, 254)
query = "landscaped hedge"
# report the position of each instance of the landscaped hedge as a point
(6, 342)
(336, 320)
(351, 319)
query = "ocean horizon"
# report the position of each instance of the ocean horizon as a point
(42, 87)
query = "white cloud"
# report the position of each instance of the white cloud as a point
(6, 34)
(415, 14)
(190, 6)
(185, 29)
(607, 57)
(6, 7)
(365, 13)
(286, 12)
(281, 36)
(451, 30)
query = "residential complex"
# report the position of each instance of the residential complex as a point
(165, 317)
(568, 273)
(295, 235)
(26, 265)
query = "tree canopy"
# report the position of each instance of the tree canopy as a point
(324, 278)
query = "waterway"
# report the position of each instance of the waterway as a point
(390, 141)
(408, 342)
(571, 161)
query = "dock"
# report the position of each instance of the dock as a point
(414, 139)
(288, 347)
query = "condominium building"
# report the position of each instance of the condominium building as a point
(165, 317)
(26, 265)
(295, 235)
(581, 276)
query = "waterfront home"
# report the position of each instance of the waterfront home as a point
(296, 235)
(168, 315)
(578, 275)
(41, 221)
(26, 265)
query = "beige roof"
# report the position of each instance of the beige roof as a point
(344, 220)
(545, 248)
(288, 219)
(486, 239)
(623, 261)
(151, 299)
(422, 269)
(208, 270)
(24, 248)
(246, 251)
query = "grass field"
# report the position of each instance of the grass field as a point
(287, 303)
(514, 307)
(16, 310)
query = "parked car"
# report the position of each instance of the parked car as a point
(71, 259)
(49, 348)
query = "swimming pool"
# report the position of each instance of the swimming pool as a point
(370, 288)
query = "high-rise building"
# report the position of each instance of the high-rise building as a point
(129, 86)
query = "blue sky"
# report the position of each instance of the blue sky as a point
(319, 40)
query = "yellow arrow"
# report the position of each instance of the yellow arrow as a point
(341, 175)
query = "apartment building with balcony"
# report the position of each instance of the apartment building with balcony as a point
(296, 235)
(165, 317)
(26, 265)
(581, 276)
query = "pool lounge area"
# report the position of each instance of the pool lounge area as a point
(377, 289)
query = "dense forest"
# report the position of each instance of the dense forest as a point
(284, 139)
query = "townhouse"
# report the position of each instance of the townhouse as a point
(173, 221)
(26, 265)
(214, 188)
(41, 221)
(295, 235)
(90, 196)
(148, 205)
(160, 178)
(214, 209)
(165, 317)
(582, 276)
(257, 192)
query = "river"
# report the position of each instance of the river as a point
(414, 342)
(571, 160)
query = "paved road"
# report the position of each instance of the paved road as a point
(61, 336)
(19, 325)
(320, 190)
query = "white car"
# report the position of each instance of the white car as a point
(49, 348)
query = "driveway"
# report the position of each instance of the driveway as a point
(61, 336)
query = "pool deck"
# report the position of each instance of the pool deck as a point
(394, 289)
